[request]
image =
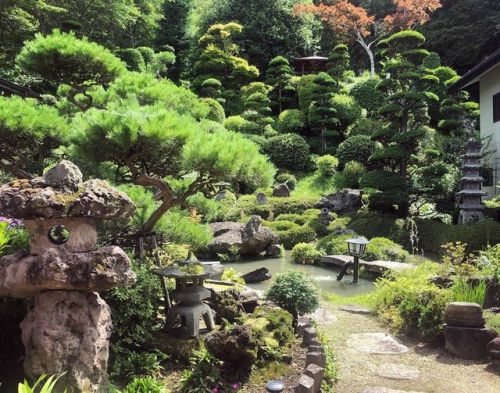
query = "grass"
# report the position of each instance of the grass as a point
(492, 320)
(366, 300)
(315, 186)
(465, 292)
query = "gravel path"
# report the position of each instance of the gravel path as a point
(372, 361)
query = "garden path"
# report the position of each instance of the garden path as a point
(372, 361)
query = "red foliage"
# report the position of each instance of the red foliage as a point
(410, 13)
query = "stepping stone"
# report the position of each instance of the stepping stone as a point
(353, 309)
(305, 384)
(322, 316)
(398, 371)
(376, 343)
(387, 390)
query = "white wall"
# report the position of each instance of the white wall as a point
(489, 86)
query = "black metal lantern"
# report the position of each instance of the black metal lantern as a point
(357, 246)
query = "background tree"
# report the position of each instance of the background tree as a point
(279, 75)
(29, 134)
(339, 62)
(270, 28)
(322, 117)
(219, 60)
(406, 119)
(354, 23)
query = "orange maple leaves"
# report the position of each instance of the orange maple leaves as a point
(410, 13)
(347, 19)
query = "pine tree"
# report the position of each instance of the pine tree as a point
(257, 106)
(279, 75)
(339, 62)
(322, 116)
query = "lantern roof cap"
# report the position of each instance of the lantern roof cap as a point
(61, 193)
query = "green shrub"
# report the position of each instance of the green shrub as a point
(383, 249)
(305, 90)
(133, 58)
(356, 148)
(135, 314)
(232, 275)
(305, 253)
(216, 113)
(347, 110)
(353, 171)
(366, 126)
(288, 152)
(409, 302)
(295, 292)
(204, 374)
(144, 385)
(365, 92)
(335, 244)
(327, 165)
(291, 121)
(291, 234)
(287, 178)
(278, 325)
(41, 385)
(236, 123)
(489, 261)
(295, 218)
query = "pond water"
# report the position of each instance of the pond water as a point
(325, 276)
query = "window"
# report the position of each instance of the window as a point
(496, 108)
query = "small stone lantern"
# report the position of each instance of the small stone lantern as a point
(68, 327)
(189, 294)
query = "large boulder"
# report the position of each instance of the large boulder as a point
(227, 305)
(250, 239)
(236, 347)
(493, 349)
(467, 342)
(257, 275)
(281, 191)
(342, 201)
(68, 331)
(464, 314)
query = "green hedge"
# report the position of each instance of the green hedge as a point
(383, 249)
(290, 233)
(248, 205)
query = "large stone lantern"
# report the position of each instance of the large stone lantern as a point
(68, 327)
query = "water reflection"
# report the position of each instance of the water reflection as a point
(325, 276)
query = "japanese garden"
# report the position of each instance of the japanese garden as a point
(215, 196)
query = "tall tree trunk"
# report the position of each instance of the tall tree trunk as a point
(150, 223)
(368, 50)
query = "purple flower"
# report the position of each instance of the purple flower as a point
(215, 390)
(236, 386)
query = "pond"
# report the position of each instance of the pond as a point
(325, 276)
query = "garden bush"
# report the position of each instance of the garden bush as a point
(236, 123)
(347, 110)
(295, 218)
(335, 244)
(291, 121)
(145, 385)
(352, 173)
(355, 148)
(291, 234)
(305, 253)
(296, 292)
(383, 249)
(365, 126)
(288, 152)
(287, 178)
(366, 93)
(327, 165)
(410, 303)
(216, 113)
(133, 58)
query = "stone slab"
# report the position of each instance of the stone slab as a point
(398, 371)
(317, 373)
(317, 358)
(353, 309)
(376, 343)
(379, 389)
(323, 316)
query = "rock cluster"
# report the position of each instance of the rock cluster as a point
(68, 327)
(250, 239)
(345, 200)
(465, 334)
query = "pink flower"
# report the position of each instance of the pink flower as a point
(215, 390)
(236, 386)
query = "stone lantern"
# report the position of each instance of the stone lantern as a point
(68, 327)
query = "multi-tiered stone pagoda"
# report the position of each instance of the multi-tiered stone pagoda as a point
(470, 198)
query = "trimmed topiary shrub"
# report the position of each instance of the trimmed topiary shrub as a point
(291, 234)
(347, 111)
(216, 110)
(291, 121)
(383, 249)
(287, 178)
(356, 148)
(366, 126)
(236, 123)
(305, 90)
(353, 171)
(327, 165)
(295, 218)
(133, 58)
(289, 152)
(365, 92)
(305, 253)
(295, 292)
